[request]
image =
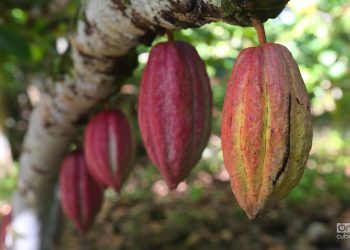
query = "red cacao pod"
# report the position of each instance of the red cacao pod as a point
(4, 223)
(266, 127)
(174, 109)
(81, 196)
(109, 148)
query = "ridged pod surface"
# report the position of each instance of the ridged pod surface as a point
(109, 148)
(174, 109)
(81, 197)
(266, 127)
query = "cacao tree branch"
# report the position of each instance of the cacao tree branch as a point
(103, 55)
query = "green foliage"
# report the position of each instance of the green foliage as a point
(12, 43)
(7, 185)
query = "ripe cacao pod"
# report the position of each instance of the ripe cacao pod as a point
(4, 223)
(81, 197)
(174, 109)
(266, 127)
(109, 148)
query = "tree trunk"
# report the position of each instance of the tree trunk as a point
(103, 55)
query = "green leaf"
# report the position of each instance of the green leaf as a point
(12, 43)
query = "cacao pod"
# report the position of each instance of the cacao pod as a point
(109, 148)
(174, 109)
(4, 223)
(81, 197)
(266, 127)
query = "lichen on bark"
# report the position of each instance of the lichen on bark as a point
(242, 12)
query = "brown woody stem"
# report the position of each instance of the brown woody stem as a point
(260, 30)
(169, 35)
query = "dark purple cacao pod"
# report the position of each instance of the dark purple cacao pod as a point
(174, 109)
(109, 148)
(81, 196)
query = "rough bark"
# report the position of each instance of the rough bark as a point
(103, 55)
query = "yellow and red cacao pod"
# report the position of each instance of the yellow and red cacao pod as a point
(174, 109)
(81, 197)
(266, 127)
(109, 148)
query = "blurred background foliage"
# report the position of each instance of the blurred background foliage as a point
(34, 46)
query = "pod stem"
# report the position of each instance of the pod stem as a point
(260, 30)
(169, 35)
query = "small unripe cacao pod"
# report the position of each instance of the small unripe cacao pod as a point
(174, 109)
(81, 197)
(266, 127)
(109, 148)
